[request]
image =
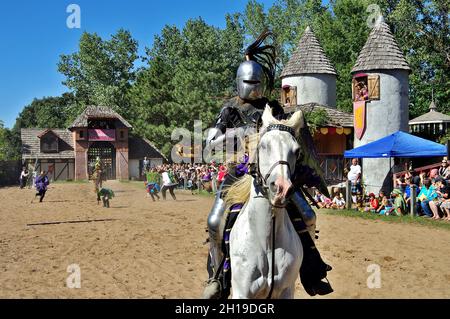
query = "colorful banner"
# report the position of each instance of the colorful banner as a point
(359, 113)
(102, 135)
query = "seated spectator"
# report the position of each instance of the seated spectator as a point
(427, 194)
(444, 170)
(442, 191)
(373, 204)
(407, 191)
(399, 207)
(385, 205)
(322, 200)
(445, 206)
(338, 202)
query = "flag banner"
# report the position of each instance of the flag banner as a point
(359, 113)
(102, 135)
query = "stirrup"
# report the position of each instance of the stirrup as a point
(320, 288)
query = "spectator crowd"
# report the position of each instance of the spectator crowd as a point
(431, 188)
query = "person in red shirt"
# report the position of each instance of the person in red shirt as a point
(222, 173)
(373, 203)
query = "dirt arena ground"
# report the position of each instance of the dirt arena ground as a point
(141, 249)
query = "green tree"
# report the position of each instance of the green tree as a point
(190, 73)
(102, 71)
(48, 112)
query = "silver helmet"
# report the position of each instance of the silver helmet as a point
(250, 80)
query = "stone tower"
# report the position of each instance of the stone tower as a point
(309, 76)
(383, 110)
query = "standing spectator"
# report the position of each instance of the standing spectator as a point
(167, 184)
(23, 178)
(146, 164)
(354, 176)
(222, 173)
(42, 183)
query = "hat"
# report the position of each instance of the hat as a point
(371, 195)
(397, 191)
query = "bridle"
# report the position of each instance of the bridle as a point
(256, 172)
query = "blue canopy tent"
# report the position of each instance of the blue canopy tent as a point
(399, 144)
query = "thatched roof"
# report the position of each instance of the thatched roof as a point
(308, 58)
(381, 51)
(98, 112)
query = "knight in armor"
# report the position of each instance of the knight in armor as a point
(255, 78)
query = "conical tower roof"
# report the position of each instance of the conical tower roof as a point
(381, 51)
(308, 58)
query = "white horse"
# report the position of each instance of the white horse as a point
(266, 253)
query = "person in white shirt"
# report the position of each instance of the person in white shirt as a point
(354, 176)
(167, 184)
(23, 178)
(338, 202)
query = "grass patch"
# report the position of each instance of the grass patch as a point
(392, 219)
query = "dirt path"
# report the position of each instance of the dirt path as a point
(141, 249)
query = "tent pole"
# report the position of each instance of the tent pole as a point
(413, 196)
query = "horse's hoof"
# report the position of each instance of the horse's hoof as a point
(212, 290)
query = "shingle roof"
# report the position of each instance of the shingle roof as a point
(97, 112)
(381, 51)
(337, 118)
(141, 147)
(138, 147)
(432, 116)
(31, 147)
(308, 58)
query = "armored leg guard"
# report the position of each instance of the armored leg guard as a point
(313, 268)
(213, 290)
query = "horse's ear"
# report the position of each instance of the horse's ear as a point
(296, 121)
(267, 117)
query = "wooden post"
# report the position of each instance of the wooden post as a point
(348, 195)
(413, 202)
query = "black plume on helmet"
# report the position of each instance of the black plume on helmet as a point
(263, 55)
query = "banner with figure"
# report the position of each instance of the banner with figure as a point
(359, 113)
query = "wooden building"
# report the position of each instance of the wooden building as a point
(98, 132)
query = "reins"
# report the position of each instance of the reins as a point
(262, 182)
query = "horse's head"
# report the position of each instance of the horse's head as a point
(278, 151)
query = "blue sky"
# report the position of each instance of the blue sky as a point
(34, 33)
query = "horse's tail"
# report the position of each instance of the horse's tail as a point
(239, 191)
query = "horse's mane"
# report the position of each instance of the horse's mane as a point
(239, 191)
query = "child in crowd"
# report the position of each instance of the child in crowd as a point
(322, 200)
(373, 204)
(338, 202)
